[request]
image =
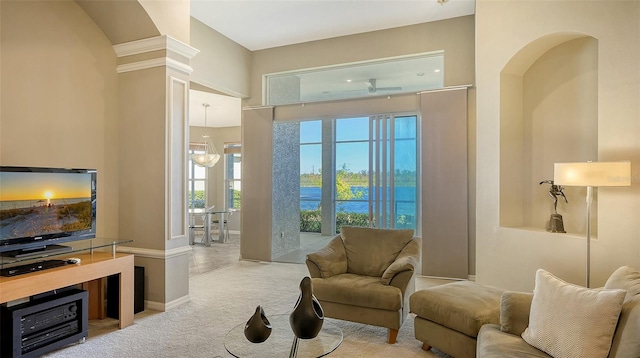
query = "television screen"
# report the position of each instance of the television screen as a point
(40, 205)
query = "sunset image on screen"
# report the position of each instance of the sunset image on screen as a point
(34, 204)
(37, 186)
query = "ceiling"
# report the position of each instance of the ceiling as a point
(223, 111)
(262, 24)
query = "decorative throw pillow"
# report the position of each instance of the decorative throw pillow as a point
(569, 321)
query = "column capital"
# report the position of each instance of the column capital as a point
(154, 52)
(164, 42)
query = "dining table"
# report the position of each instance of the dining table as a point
(208, 214)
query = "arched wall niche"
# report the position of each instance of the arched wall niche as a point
(548, 114)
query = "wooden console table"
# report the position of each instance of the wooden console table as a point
(92, 266)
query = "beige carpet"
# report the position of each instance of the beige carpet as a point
(220, 300)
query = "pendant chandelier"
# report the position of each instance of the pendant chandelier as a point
(210, 156)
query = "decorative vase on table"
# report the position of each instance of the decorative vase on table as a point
(307, 316)
(258, 327)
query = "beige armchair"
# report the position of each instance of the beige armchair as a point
(366, 275)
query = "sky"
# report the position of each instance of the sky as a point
(354, 151)
(42, 186)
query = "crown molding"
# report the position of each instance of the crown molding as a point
(163, 42)
(156, 62)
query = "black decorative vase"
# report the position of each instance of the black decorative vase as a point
(307, 316)
(258, 328)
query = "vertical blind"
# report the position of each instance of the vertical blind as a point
(445, 233)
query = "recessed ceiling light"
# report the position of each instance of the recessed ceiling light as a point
(348, 80)
(436, 70)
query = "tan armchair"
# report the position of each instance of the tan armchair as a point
(366, 275)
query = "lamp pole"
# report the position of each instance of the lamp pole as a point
(589, 201)
(591, 175)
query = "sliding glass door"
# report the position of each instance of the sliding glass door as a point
(351, 172)
(372, 176)
(403, 172)
(311, 176)
(376, 171)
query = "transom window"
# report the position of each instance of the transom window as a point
(386, 76)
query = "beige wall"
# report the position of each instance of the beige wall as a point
(170, 17)
(125, 21)
(508, 257)
(454, 36)
(65, 105)
(121, 21)
(222, 64)
(59, 96)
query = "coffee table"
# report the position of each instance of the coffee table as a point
(282, 342)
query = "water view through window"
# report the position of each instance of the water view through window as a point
(374, 176)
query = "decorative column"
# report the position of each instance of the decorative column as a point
(153, 139)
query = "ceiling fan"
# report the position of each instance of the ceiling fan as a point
(371, 85)
(372, 88)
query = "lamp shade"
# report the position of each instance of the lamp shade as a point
(209, 155)
(592, 174)
(205, 159)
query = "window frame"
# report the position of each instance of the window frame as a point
(191, 181)
(232, 155)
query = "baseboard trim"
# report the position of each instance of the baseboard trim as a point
(155, 254)
(163, 307)
(445, 278)
(469, 278)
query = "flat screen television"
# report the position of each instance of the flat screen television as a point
(41, 208)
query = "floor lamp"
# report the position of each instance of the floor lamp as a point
(592, 174)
